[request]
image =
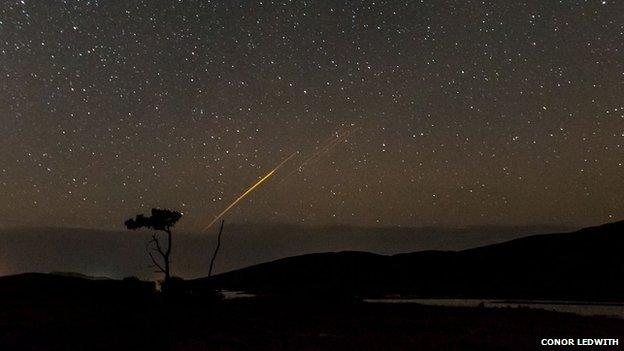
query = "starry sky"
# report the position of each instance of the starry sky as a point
(444, 113)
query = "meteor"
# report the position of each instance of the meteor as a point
(329, 144)
(252, 188)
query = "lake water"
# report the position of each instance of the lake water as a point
(582, 308)
(615, 310)
(234, 294)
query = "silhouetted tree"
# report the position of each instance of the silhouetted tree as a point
(163, 220)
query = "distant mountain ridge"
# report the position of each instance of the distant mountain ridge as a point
(80, 275)
(584, 265)
(118, 254)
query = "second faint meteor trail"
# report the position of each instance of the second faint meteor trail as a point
(325, 147)
(252, 188)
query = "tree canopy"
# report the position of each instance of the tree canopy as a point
(161, 219)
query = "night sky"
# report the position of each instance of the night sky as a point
(443, 113)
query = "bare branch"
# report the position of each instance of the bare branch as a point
(148, 248)
(214, 256)
(155, 241)
(156, 263)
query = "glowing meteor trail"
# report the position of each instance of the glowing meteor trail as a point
(330, 145)
(326, 147)
(254, 186)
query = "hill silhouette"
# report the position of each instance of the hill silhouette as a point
(583, 265)
(72, 287)
(69, 311)
(116, 254)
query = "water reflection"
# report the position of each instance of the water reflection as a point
(578, 307)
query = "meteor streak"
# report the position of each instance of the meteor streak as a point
(326, 147)
(330, 145)
(252, 188)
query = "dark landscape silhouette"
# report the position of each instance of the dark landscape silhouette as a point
(118, 254)
(316, 301)
(583, 265)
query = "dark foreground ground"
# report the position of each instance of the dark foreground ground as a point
(81, 323)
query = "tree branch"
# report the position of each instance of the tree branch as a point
(162, 270)
(148, 249)
(214, 256)
(155, 240)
